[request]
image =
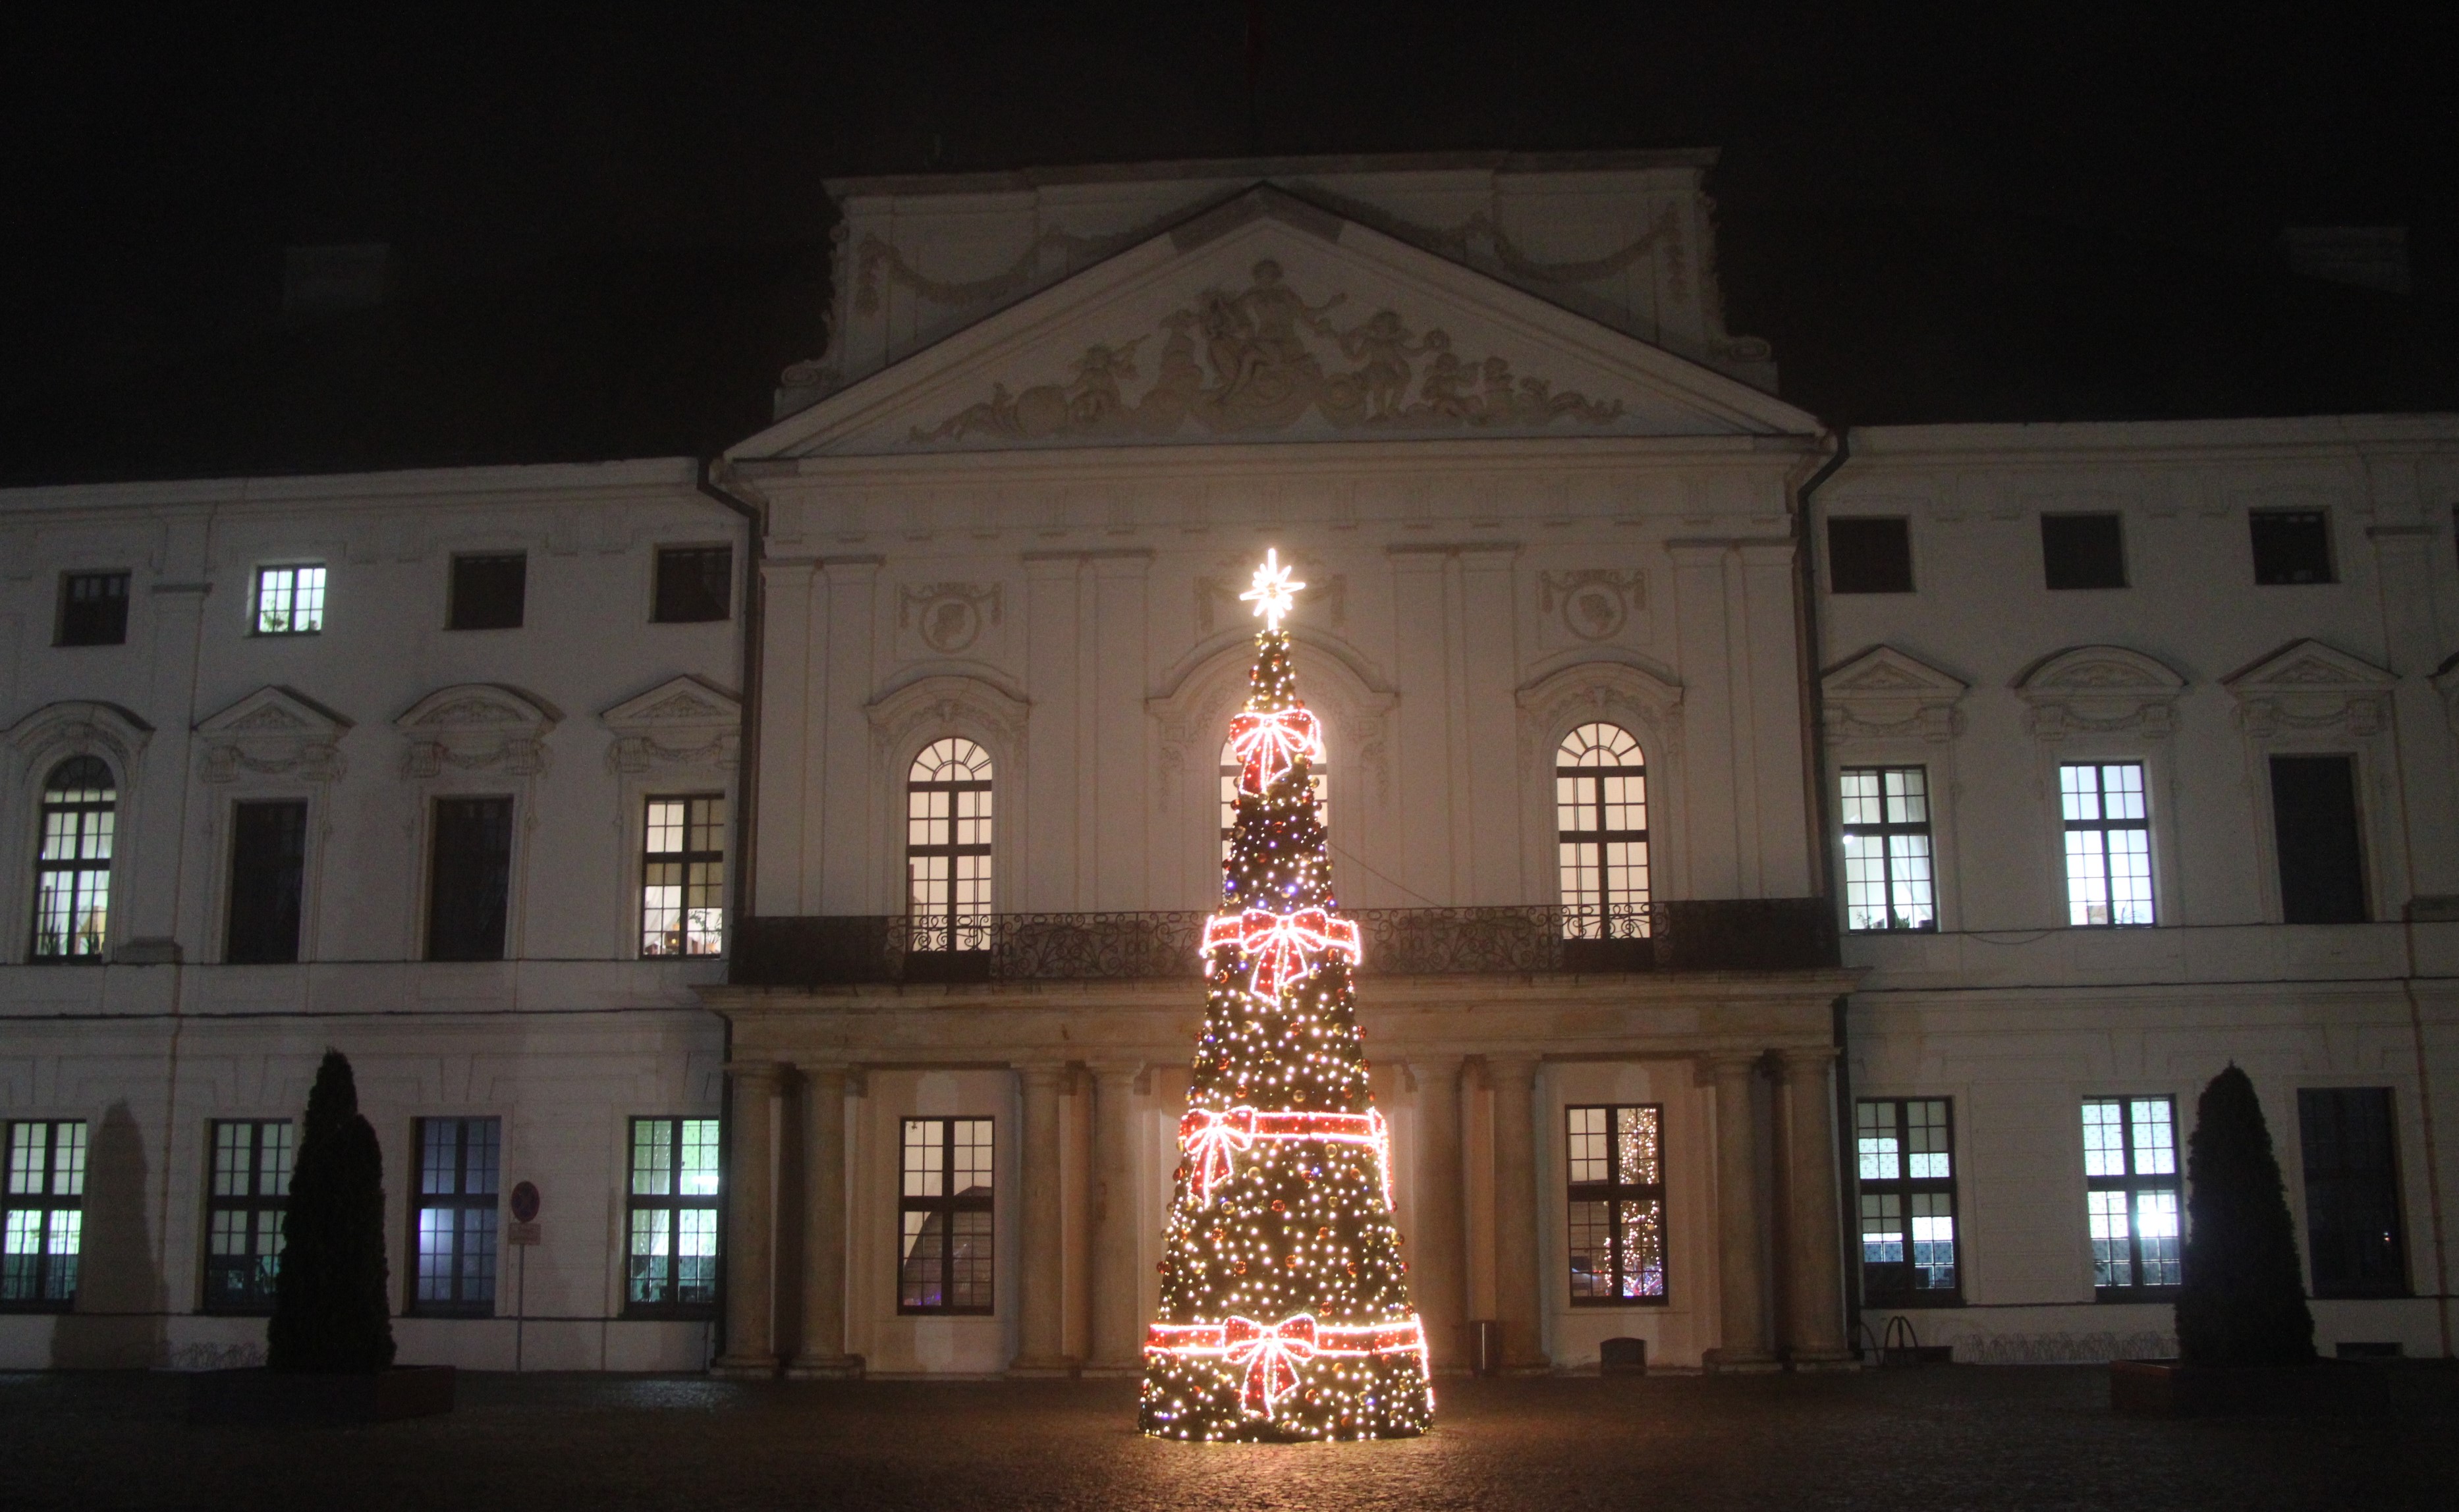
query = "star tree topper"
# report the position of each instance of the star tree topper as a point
(1273, 592)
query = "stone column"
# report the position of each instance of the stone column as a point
(1039, 1280)
(1517, 1301)
(1118, 1273)
(1438, 1256)
(750, 1221)
(1813, 1275)
(1741, 1286)
(823, 1226)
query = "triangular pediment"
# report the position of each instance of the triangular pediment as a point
(1268, 318)
(477, 709)
(1883, 673)
(678, 704)
(2307, 667)
(275, 712)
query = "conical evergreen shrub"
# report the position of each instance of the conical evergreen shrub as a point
(2243, 1297)
(329, 1311)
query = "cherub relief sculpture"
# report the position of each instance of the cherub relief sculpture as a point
(1261, 370)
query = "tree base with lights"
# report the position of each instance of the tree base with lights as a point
(1285, 1310)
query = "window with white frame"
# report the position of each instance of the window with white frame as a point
(2129, 1163)
(671, 1268)
(944, 1217)
(42, 1216)
(2109, 843)
(1904, 1150)
(1888, 877)
(947, 848)
(73, 870)
(683, 877)
(1601, 833)
(1231, 767)
(289, 601)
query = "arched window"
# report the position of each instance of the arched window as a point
(1601, 825)
(72, 874)
(1321, 782)
(948, 846)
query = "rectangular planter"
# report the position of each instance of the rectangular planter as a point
(260, 1397)
(2169, 1389)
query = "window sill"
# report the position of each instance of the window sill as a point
(679, 1312)
(903, 1310)
(481, 1312)
(1587, 1304)
(2147, 1294)
(1913, 1301)
(68, 1306)
(283, 635)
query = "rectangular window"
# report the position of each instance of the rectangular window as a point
(1616, 1160)
(694, 583)
(683, 877)
(2083, 551)
(2109, 844)
(1888, 872)
(2352, 1226)
(671, 1268)
(2321, 855)
(1866, 554)
(470, 879)
(460, 1163)
(1905, 1149)
(290, 600)
(43, 1219)
(250, 1186)
(944, 1218)
(2291, 547)
(488, 592)
(268, 864)
(94, 609)
(2130, 1165)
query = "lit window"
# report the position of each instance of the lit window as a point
(43, 1220)
(671, 1268)
(683, 877)
(1887, 873)
(944, 1217)
(947, 848)
(251, 1187)
(1600, 823)
(1617, 1204)
(459, 1168)
(73, 873)
(2130, 1165)
(1231, 767)
(1906, 1147)
(2109, 844)
(290, 600)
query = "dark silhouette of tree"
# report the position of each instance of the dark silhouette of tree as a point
(329, 1311)
(2243, 1297)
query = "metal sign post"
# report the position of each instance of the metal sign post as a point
(524, 1237)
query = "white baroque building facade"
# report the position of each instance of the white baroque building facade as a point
(791, 864)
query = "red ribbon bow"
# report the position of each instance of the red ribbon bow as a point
(1279, 945)
(1212, 1141)
(1271, 1356)
(1269, 745)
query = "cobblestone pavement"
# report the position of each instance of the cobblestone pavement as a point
(1905, 1440)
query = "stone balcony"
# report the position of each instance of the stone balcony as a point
(1706, 934)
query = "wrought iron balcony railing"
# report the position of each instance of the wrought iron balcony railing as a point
(1701, 935)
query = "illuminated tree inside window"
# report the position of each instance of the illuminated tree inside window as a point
(1285, 1310)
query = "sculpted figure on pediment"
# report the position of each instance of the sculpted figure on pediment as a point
(1262, 370)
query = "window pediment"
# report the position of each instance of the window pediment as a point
(273, 731)
(1884, 693)
(477, 726)
(2100, 689)
(2308, 685)
(681, 722)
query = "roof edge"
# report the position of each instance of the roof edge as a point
(1624, 161)
(515, 478)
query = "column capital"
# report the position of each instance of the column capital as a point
(1797, 1058)
(1725, 1065)
(1516, 1069)
(1042, 1073)
(820, 1072)
(770, 1072)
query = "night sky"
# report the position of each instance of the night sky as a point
(609, 229)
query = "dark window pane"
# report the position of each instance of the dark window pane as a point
(2352, 1224)
(2321, 862)
(2083, 551)
(94, 609)
(694, 582)
(268, 859)
(470, 880)
(1867, 555)
(488, 592)
(2291, 546)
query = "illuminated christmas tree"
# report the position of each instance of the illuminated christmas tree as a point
(1284, 1310)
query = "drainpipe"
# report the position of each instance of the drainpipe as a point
(745, 807)
(1823, 868)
